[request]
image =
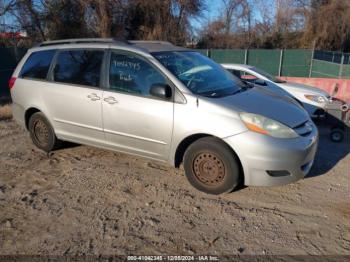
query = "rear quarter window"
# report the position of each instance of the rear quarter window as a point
(37, 65)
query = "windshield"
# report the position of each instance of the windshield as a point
(200, 74)
(267, 75)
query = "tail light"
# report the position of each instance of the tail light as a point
(12, 82)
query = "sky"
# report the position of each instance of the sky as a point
(213, 8)
(212, 12)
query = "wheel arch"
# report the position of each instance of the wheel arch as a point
(28, 113)
(186, 142)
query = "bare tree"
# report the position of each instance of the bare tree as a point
(157, 19)
(242, 23)
(332, 33)
(6, 7)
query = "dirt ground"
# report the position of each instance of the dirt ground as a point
(83, 200)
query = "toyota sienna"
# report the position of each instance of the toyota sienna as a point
(162, 102)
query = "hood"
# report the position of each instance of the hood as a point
(277, 89)
(303, 88)
(257, 100)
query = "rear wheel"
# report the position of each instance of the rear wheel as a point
(211, 166)
(42, 133)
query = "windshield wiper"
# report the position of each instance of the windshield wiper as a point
(238, 91)
(248, 84)
(218, 93)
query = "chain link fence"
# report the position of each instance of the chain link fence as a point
(330, 64)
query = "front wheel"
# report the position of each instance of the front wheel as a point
(337, 135)
(211, 166)
(42, 133)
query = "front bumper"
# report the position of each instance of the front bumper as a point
(314, 111)
(268, 161)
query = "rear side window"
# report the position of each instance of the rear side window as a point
(81, 67)
(37, 65)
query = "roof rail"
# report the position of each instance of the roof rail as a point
(83, 41)
(149, 42)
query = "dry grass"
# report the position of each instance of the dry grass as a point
(5, 112)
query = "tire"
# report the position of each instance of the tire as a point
(42, 133)
(337, 135)
(211, 166)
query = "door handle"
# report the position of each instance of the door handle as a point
(94, 97)
(110, 100)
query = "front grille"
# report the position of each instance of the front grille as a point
(304, 129)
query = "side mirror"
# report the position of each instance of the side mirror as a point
(161, 91)
(260, 82)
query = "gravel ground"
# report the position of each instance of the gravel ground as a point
(83, 200)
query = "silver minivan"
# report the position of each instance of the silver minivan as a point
(163, 102)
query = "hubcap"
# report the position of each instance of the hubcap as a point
(336, 136)
(41, 132)
(209, 168)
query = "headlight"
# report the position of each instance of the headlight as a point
(267, 126)
(317, 98)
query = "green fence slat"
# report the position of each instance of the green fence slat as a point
(325, 69)
(296, 63)
(233, 56)
(346, 71)
(267, 60)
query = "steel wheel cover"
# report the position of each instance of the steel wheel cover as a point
(41, 132)
(209, 169)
